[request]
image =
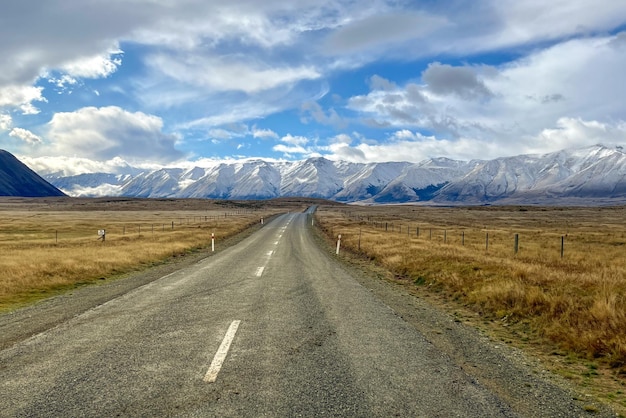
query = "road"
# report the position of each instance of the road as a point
(294, 333)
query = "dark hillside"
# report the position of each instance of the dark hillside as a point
(16, 179)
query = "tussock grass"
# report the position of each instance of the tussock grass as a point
(46, 247)
(576, 303)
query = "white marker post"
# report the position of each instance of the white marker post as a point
(102, 234)
(261, 221)
(212, 242)
(338, 244)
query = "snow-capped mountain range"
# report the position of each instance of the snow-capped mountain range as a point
(587, 175)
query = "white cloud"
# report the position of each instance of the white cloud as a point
(72, 166)
(263, 133)
(294, 140)
(578, 133)
(228, 73)
(406, 145)
(511, 104)
(220, 133)
(5, 122)
(21, 96)
(536, 20)
(108, 132)
(25, 135)
(290, 149)
(96, 66)
(104, 190)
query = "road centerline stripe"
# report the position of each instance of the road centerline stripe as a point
(220, 356)
(259, 271)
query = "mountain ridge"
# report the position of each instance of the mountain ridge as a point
(596, 172)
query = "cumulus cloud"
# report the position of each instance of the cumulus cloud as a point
(516, 102)
(25, 135)
(72, 166)
(575, 132)
(294, 140)
(108, 132)
(97, 66)
(263, 133)
(22, 97)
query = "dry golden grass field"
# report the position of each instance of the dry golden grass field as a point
(564, 291)
(51, 245)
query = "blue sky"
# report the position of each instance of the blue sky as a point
(92, 85)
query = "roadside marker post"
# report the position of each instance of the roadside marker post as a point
(338, 244)
(212, 242)
(102, 234)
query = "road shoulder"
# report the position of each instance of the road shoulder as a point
(517, 378)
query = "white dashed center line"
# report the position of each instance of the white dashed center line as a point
(259, 271)
(220, 356)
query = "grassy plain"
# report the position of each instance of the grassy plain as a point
(51, 245)
(571, 308)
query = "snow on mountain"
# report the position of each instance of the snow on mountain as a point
(369, 180)
(315, 177)
(420, 182)
(585, 173)
(597, 172)
(159, 183)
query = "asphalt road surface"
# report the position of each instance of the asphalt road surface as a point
(272, 326)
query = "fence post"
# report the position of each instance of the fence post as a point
(516, 247)
(445, 236)
(562, 245)
(487, 241)
(463, 238)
